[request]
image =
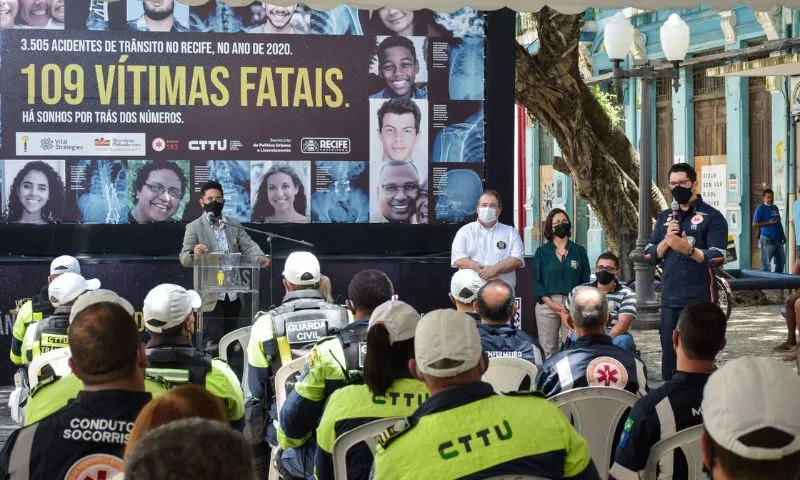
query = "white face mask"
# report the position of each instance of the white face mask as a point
(487, 214)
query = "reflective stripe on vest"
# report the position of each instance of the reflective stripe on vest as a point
(19, 463)
(171, 375)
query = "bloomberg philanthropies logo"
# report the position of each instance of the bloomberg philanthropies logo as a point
(340, 146)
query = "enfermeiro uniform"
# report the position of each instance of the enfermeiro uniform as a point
(488, 246)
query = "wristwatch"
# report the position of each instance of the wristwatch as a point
(691, 252)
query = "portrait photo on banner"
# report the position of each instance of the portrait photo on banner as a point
(233, 175)
(159, 190)
(97, 191)
(400, 68)
(258, 17)
(340, 192)
(33, 191)
(32, 14)
(280, 191)
(160, 16)
(398, 167)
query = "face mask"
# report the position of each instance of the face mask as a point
(487, 214)
(214, 207)
(682, 195)
(562, 230)
(604, 278)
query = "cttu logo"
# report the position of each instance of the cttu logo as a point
(215, 145)
(336, 146)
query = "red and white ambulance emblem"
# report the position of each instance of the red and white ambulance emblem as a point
(697, 219)
(606, 372)
(95, 467)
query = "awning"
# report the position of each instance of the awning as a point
(783, 65)
(563, 6)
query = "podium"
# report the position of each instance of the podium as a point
(218, 274)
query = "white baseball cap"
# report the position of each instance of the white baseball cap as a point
(64, 263)
(68, 286)
(465, 284)
(748, 394)
(446, 343)
(99, 296)
(302, 268)
(167, 306)
(399, 318)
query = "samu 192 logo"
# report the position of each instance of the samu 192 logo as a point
(336, 146)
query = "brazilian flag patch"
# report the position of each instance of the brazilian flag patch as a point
(626, 433)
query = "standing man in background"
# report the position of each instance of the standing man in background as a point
(689, 243)
(767, 218)
(489, 247)
(215, 233)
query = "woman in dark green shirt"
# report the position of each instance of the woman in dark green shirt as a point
(558, 266)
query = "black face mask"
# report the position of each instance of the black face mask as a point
(214, 207)
(682, 195)
(604, 278)
(562, 230)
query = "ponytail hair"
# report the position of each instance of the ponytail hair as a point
(384, 361)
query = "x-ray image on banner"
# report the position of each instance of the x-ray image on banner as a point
(456, 189)
(234, 176)
(457, 129)
(340, 192)
(457, 69)
(97, 191)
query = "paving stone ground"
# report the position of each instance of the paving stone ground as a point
(751, 331)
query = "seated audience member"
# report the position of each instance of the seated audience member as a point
(53, 393)
(195, 448)
(51, 333)
(330, 362)
(39, 306)
(183, 401)
(465, 430)
(592, 361)
(168, 316)
(752, 429)
(389, 389)
(675, 405)
(495, 304)
(93, 429)
(792, 314)
(464, 288)
(621, 301)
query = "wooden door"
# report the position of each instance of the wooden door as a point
(665, 145)
(760, 133)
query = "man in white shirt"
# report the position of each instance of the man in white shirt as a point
(491, 248)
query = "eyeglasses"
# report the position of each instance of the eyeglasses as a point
(682, 183)
(159, 190)
(607, 268)
(408, 188)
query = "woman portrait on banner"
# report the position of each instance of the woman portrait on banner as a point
(158, 192)
(558, 266)
(36, 195)
(407, 23)
(281, 197)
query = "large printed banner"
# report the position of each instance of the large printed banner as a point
(119, 113)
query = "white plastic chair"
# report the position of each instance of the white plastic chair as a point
(57, 359)
(368, 434)
(595, 413)
(283, 374)
(688, 440)
(241, 335)
(505, 374)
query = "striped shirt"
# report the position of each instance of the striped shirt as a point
(622, 300)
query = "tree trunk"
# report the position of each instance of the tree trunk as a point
(598, 157)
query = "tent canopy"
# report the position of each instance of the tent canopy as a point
(563, 6)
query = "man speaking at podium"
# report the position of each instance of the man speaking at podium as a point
(215, 233)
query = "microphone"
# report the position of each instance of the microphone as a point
(676, 212)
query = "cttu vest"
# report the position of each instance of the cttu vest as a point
(51, 333)
(178, 365)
